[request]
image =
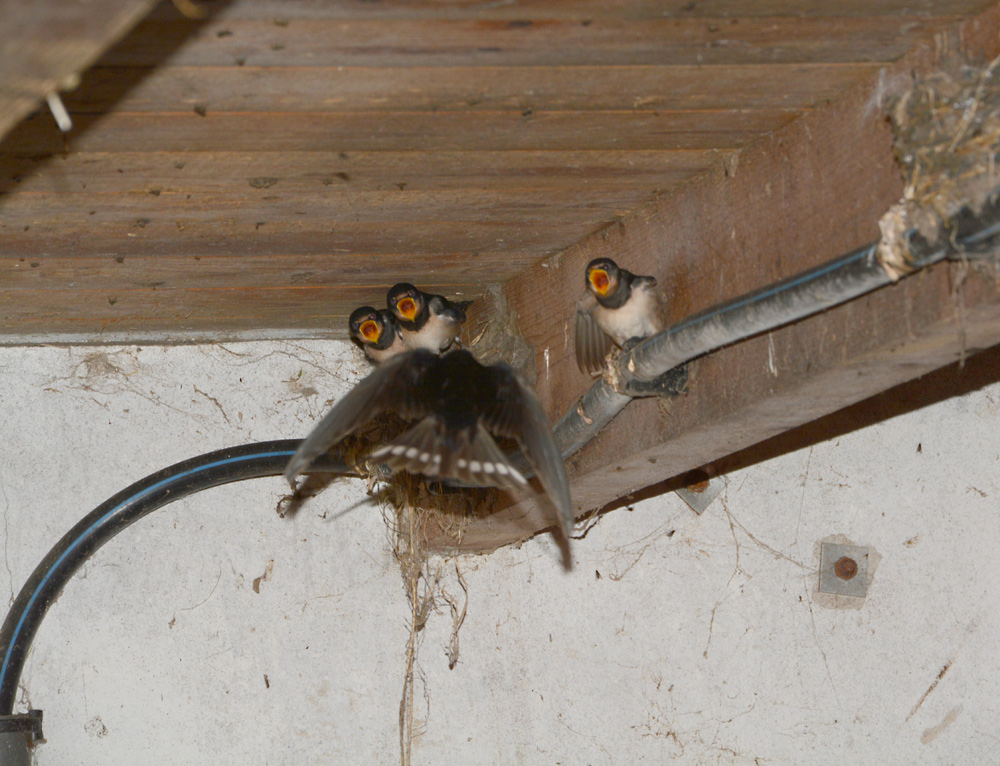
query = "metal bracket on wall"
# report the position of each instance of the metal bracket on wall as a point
(670, 384)
(843, 570)
(701, 494)
(18, 735)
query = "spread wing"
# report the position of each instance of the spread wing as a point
(518, 414)
(592, 345)
(393, 386)
(470, 455)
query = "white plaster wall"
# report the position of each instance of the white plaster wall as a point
(701, 641)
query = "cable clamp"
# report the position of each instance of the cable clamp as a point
(29, 724)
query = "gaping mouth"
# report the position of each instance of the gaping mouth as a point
(369, 329)
(599, 280)
(408, 308)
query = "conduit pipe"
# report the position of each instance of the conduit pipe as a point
(797, 297)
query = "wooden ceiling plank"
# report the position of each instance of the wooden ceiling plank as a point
(515, 10)
(211, 312)
(486, 88)
(447, 42)
(180, 271)
(245, 239)
(402, 131)
(332, 204)
(310, 172)
(807, 194)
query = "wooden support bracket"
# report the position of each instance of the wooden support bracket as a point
(805, 194)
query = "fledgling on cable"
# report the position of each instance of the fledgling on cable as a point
(457, 403)
(425, 321)
(617, 306)
(377, 332)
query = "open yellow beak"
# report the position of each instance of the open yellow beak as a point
(599, 280)
(369, 329)
(408, 308)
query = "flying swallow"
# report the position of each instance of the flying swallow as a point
(457, 403)
(617, 306)
(377, 332)
(425, 321)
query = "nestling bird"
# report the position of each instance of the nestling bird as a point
(457, 403)
(377, 332)
(617, 306)
(426, 321)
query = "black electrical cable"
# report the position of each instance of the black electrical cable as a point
(250, 461)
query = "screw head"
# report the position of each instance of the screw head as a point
(845, 568)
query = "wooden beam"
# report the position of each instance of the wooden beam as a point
(806, 194)
(45, 44)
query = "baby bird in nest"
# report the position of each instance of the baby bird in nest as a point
(425, 320)
(377, 332)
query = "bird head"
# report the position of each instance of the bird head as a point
(405, 301)
(366, 325)
(602, 276)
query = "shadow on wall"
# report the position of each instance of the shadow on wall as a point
(979, 371)
(36, 142)
(954, 380)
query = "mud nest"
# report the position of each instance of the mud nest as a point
(492, 335)
(415, 504)
(947, 134)
(451, 507)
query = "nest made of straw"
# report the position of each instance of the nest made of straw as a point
(947, 134)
